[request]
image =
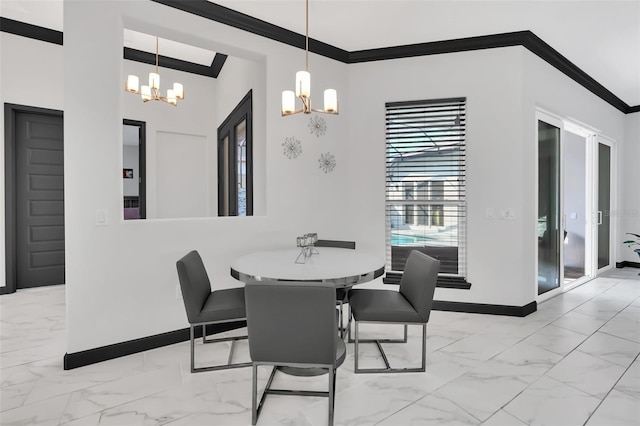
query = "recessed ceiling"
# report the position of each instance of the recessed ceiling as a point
(173, 49)
(602, 37)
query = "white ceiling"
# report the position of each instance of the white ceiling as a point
(170, 48)
(602, 37)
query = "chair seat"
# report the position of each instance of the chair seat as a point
(382, 306)
(223, 304)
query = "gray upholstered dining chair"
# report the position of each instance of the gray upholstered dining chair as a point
(292, 327)
(205, 306)
(341, 292)
(410, 305)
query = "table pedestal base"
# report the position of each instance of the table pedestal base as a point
(305, 372)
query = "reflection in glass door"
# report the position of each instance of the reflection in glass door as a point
(549, 272)
(604, 205)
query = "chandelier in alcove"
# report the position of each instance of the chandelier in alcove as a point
(151, 92)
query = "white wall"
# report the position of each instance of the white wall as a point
(503, 88)
(127, 289)
(491, 80)
(629, 180)
(23, 82)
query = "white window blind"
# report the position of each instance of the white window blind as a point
(425, 192)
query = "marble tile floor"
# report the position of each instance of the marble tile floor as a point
(573, 362)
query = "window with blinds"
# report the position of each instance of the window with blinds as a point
(425, 193)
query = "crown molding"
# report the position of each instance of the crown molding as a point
(527, 39)
(31, 31)
(56, 37)
(224, 15)
(218, 13)
(177, 64)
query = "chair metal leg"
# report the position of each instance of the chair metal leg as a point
(378, 341)
(341, 322)
(388, 368)
(191, 343)
(226, 366)
(256, 407)
(355, 348)
(254, 395)
(332, 393)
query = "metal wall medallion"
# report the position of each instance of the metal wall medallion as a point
(291, 147)
(317, 126)
(327, 162)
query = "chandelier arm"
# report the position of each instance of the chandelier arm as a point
(298, 111)
(306, 104)
(324, 112)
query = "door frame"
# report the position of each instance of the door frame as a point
(142, 163)
(10, 112)
(589, 135)
(613, 225)
(557, 122)
(594, 137)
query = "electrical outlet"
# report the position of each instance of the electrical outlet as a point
(507, 214)
(490, 213)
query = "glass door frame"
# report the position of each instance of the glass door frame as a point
(597, 140)
(556, 122)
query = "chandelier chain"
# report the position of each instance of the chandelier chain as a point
(306, 46)
(156, 54)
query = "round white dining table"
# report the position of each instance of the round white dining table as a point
(342, 267)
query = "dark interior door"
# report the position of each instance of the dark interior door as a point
(39, 200)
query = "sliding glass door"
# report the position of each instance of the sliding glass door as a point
(574, 219)
(549, 202)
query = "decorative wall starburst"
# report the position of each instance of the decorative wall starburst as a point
(327, 162)
(291, 147)
(317, 126)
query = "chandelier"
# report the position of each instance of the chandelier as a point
(303, 87)
(152, 91)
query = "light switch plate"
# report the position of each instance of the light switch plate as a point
(101, 218)
(490, 213)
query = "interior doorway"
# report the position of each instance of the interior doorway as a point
(134, 165)
(34, 197)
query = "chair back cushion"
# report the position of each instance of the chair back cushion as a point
(291, 322)
(336, 243)
(418, 282)
(194, 284)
